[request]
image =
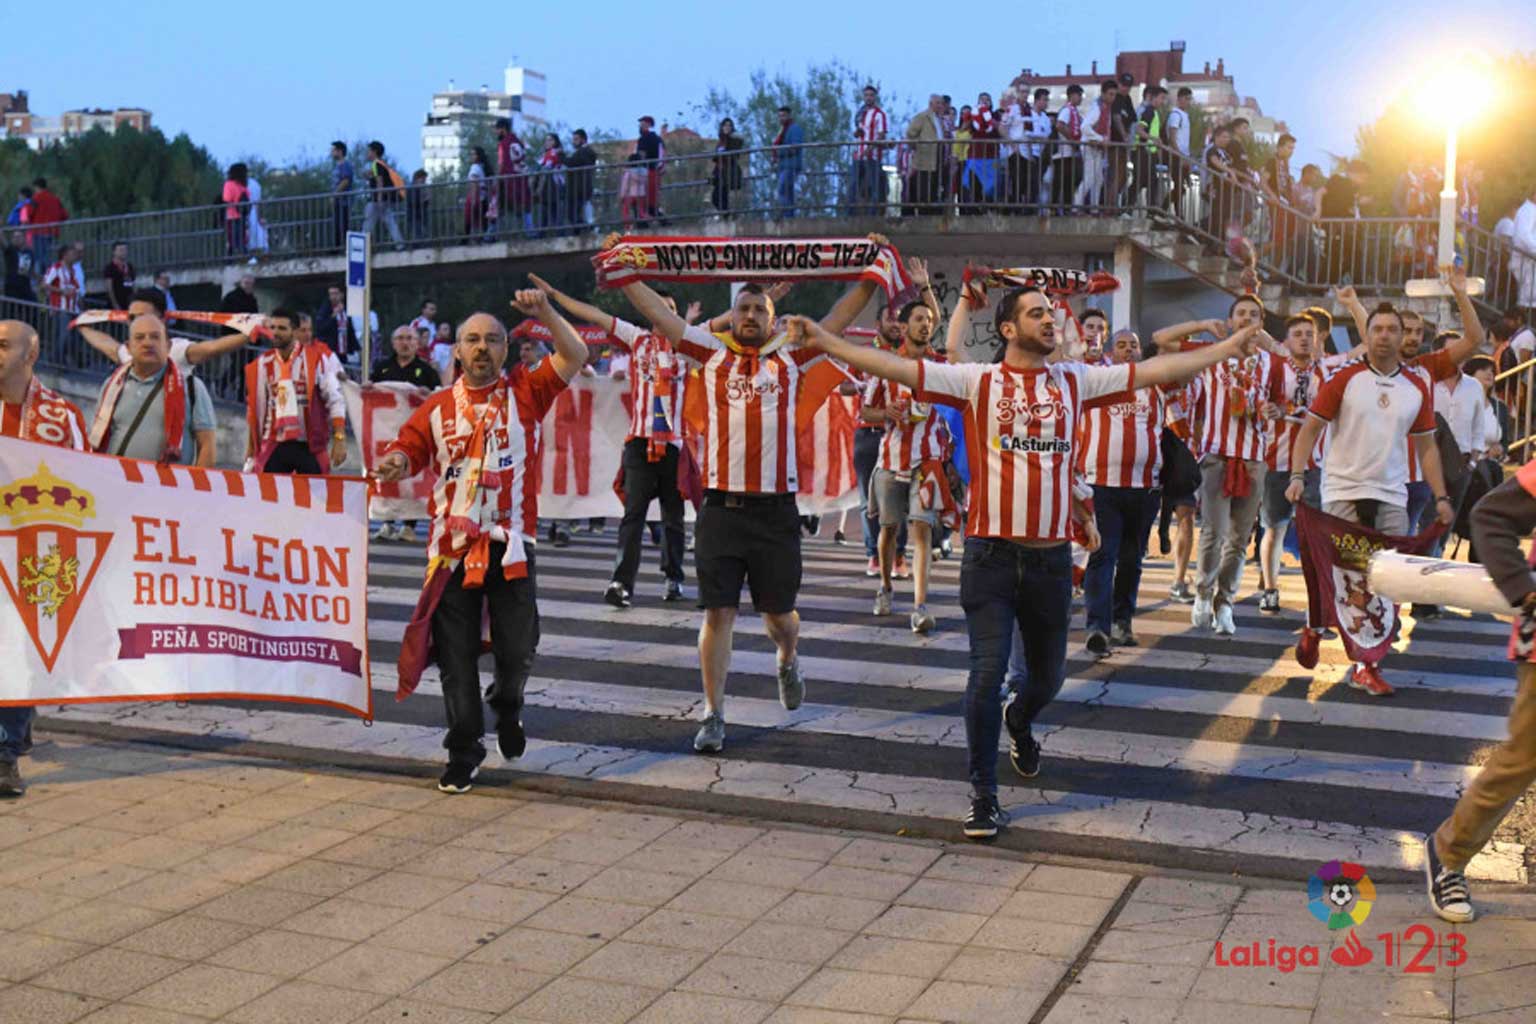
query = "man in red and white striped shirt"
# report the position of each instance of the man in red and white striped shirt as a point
(1236, 400)
(912, 451)
(652, 447)
(481, 435)
(748, 532)
(1120, 456)
(870, 127)
(1021, 417)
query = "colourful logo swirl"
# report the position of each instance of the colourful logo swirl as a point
(1340, 894)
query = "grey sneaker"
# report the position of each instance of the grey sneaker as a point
(1182, 593)
(1121, 635)
(11, 782)
(882, 602)
(710, 738)
(922, 621)
(791, 685)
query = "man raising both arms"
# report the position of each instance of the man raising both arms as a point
(185, 353)
(749, 528)
(1022, 417)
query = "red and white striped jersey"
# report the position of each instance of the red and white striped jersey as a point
(920, 435)
(1121, 440)
(1300, 386)
(870, 125)
(436, 435)
(45, 416)
(1021, 432)
(652, 364)
(1439, 366)
(1229, 395)
(748, 443)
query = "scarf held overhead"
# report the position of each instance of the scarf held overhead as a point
(751, 259)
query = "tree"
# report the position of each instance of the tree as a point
(101, 173)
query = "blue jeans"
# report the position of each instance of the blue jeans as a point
(1003, 586)
(867, 179)
(1124, 516)
(15, 728)
(786, 192)
(1421, 501)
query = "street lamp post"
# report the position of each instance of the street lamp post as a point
(1448, 194)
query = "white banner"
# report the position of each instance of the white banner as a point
(132, 581)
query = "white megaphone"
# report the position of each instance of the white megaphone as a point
(1414, 579)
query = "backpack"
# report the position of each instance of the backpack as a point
(1453, 464)
(392, 179)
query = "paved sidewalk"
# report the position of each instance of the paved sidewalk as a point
(146, 885)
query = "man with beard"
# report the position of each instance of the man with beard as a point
(1021, 424)
(290, 393)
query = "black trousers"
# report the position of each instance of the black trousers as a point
(292, 457)
(514, 619)
(341, 219)
(1068, 172)
(643, 481)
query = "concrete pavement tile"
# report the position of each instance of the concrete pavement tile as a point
(808, 1015)
(849, 913)
(323, 786)
(1136, 947)
(1098, 1009)
(942, 894)
(16, 830)
(1480, 961)
(961, 1003)
(481, 807)
(404, 890)
(295, 840)
(846, 881)
(631, 824)
(587, 849)
(549, 813)
(989, 871)
(544, 875)
(784, 842)
(283, 954)
(154, 852)
(172, 892)
(499, 903)
(256, 904)
(685, 930)
(1056, 907)
(879, 954)
(926, 925)
(729, 899)
(237, 864)
(74, 808)
(1186, 922)
(374, 968)
(622, 885)
(1501, 933)
(127, 1013)
(375, 851)
(19, 866)
(632, 963)
(594, 918)
(250, 776)
(20, 907)
(205, 990)
(346, 816)
(488, 988)
(147, 819)
(217, 829)
(1417, 995)
(439, 934)
(747, 977)
(187, 937)
(1151, 981)
(97, 921)
(24, 954)
(1186, 892)
(799, 943)
(765, 869)
(276, 806)
(79, 841)
(1278, 902)
(1005, 968)
(1063, 941)
(906, 858)
(342, 917)
(585, 1001)
(296, 1001)
(698, 1008)
(675, 860)
(1203, 1012)
(712, 835)
(1266, 987)
(463, 863)
(857, 991)
(318, 877)
(541, 952)
(419, 1012)
(89, 879)
(425, 828)
(24, 1003)
(1076, 881)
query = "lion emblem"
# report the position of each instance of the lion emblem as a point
(50, 581)
(632, 257)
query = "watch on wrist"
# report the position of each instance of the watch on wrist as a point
(1442, 497)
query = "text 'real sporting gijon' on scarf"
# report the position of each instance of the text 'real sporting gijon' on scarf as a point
(761, 260)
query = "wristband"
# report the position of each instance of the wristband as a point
(1442, 497)
(1299, 476)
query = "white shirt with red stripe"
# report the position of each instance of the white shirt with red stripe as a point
(1371, 417)
(917, 437)
(530, 393)
(1121, 440)
(1440, 367)
(1300, 387)
(1021, 439)
(748, 442)
(650, 355)
(45, 416)
(870, 126)
(1228, 396)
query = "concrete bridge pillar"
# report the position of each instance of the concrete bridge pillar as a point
(1125, 301)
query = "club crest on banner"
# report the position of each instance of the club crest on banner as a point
(1366, 616)
(47, 561)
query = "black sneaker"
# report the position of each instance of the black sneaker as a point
(458, 778)
(1098, 644)
(985, 819)
(1269, 602)
(1448, 893)
(616, 595)
(511, 741)
(1023, 751)
(1424, 612)
(674, 591)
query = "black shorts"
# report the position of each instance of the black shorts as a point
(756, 542)
(292, 457)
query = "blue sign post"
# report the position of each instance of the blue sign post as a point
(360, 291)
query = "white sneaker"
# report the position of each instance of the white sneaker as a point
(1224, 624)
(1200, 615)
(882, 602)
(922, 621)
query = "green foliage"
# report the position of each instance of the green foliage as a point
(102, 173)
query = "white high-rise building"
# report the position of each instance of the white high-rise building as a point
(457, 115)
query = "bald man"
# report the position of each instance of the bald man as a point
(149, 409)
(33, 413)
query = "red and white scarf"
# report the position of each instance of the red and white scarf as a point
(751, 259)
(241, 323)
(1056, 282)
(286, 422)
(43, 411)
(175, 399)
(479, 484)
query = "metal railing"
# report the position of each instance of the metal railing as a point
(1517, 387)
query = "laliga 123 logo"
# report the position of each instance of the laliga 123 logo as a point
(47, 561)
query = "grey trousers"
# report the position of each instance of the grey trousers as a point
(1390, 519)
(1226, 526)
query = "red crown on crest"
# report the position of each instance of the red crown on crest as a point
(44, 497)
